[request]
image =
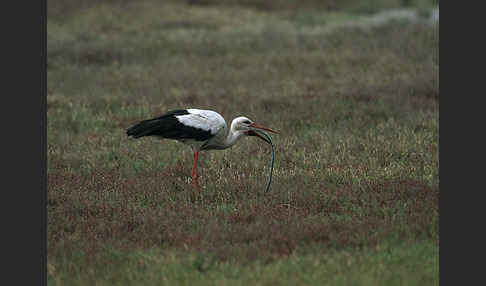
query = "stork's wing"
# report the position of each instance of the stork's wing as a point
(199, 125)
(203, 119)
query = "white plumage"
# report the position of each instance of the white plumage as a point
(203, 119)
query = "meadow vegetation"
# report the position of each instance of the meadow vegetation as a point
(355, 192)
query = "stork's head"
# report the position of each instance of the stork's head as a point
(250, 128)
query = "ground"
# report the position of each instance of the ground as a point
(355, 191)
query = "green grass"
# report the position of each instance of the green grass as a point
(354, 197)
(385, 264)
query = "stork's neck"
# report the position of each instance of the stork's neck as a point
(232, 137)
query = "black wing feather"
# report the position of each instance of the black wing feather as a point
(168, 126)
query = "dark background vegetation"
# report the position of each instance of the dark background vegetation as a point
(356, 182)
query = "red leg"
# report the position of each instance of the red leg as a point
(194, 174)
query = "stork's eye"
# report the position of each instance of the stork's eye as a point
(247, 122)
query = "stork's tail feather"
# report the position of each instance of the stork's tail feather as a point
(144, 128)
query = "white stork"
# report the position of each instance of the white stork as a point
(200, 129)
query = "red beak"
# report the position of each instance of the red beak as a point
(254, 125)
(254, 132)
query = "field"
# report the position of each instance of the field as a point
(355, 192)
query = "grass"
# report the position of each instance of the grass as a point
(401, 264)
(355, 192)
